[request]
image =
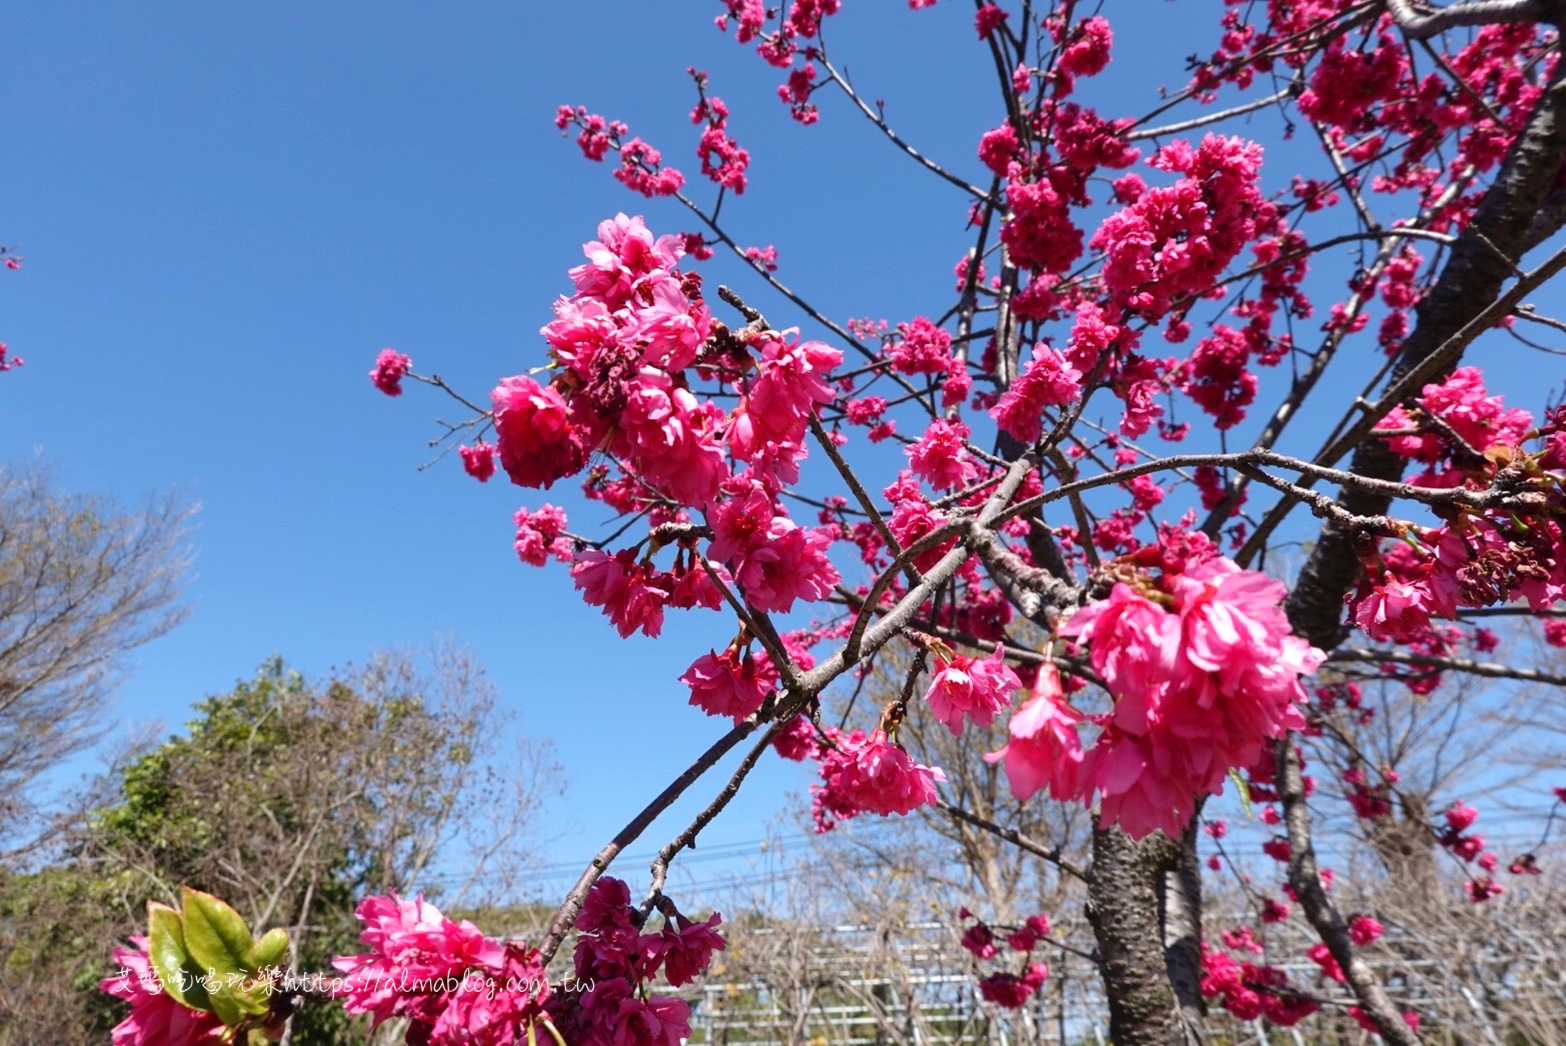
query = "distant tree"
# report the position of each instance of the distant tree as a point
(82, 582)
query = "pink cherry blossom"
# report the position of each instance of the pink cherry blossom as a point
(538, 444)
(685, 948)
(1048, 381)
(1011, 991)
(624, 252)
(631, 594)
(1363, 929)
(973, 688)
(391, 367)
(155, 1018)
(875, 775)
(478, 460)
(1199, 688)
(541, 535)
(923, 348)
(415, 955)
(1045, 750)
(939, 457)
(729, 684)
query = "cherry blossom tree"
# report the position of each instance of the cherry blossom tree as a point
(1053, 547)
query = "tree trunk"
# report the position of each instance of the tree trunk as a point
(1150, 962)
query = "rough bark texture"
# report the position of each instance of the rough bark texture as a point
(1181, 910)
(1481, 260)
(1126, 907)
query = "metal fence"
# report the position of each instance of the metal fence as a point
(911, 984)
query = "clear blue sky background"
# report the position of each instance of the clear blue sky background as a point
(227, 210)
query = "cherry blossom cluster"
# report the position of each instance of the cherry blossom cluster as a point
(788, 45)
(1475, 558)
(1251, 990)
(641, 166)
(1203, 669)
(456, 986)
(1004, 988)
(450, 982)
(620, 960)
(722, 159)
(860, 773)
(631, 350)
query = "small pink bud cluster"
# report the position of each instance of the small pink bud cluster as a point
(1251, 990)
(391, 367)
(1004, 988)
(620, 962)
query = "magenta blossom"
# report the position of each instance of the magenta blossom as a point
(391, 367)
(155, 1018)
(729, 685)
(1009, 990)
(1045, 750)
(972, 687)
(537, 442)
(877, 776)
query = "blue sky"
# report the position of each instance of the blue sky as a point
(227, 210)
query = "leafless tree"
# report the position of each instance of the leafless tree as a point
(82, 582)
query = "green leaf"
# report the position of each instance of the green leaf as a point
(181, 975)
(1244, 790)
(215, 935)
(269, 950)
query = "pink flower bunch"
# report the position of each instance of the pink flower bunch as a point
(775, 560)
(538, 443)
(1048, 381)
(641, 170)
(631, 593)
(1204, 670)
(921, 348)
(731, 683)
(871, 774)
(623, 342)
(940, 458)
(1086, 50)
(1012, 991)
(541, 536)
(1040, 233)
(1364, 929)
(478, 460)
(155, 1018)
(722, 158)
(988, 19)
(972, 688)
(1217, 376)
(1460, 402)
(776, 405)
(618, 961)
(1249, 991)
(455, 986)
(1471, 562)
(788, 47)
(391, 367)
(1176, 240)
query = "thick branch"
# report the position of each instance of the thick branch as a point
(1416, 26)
